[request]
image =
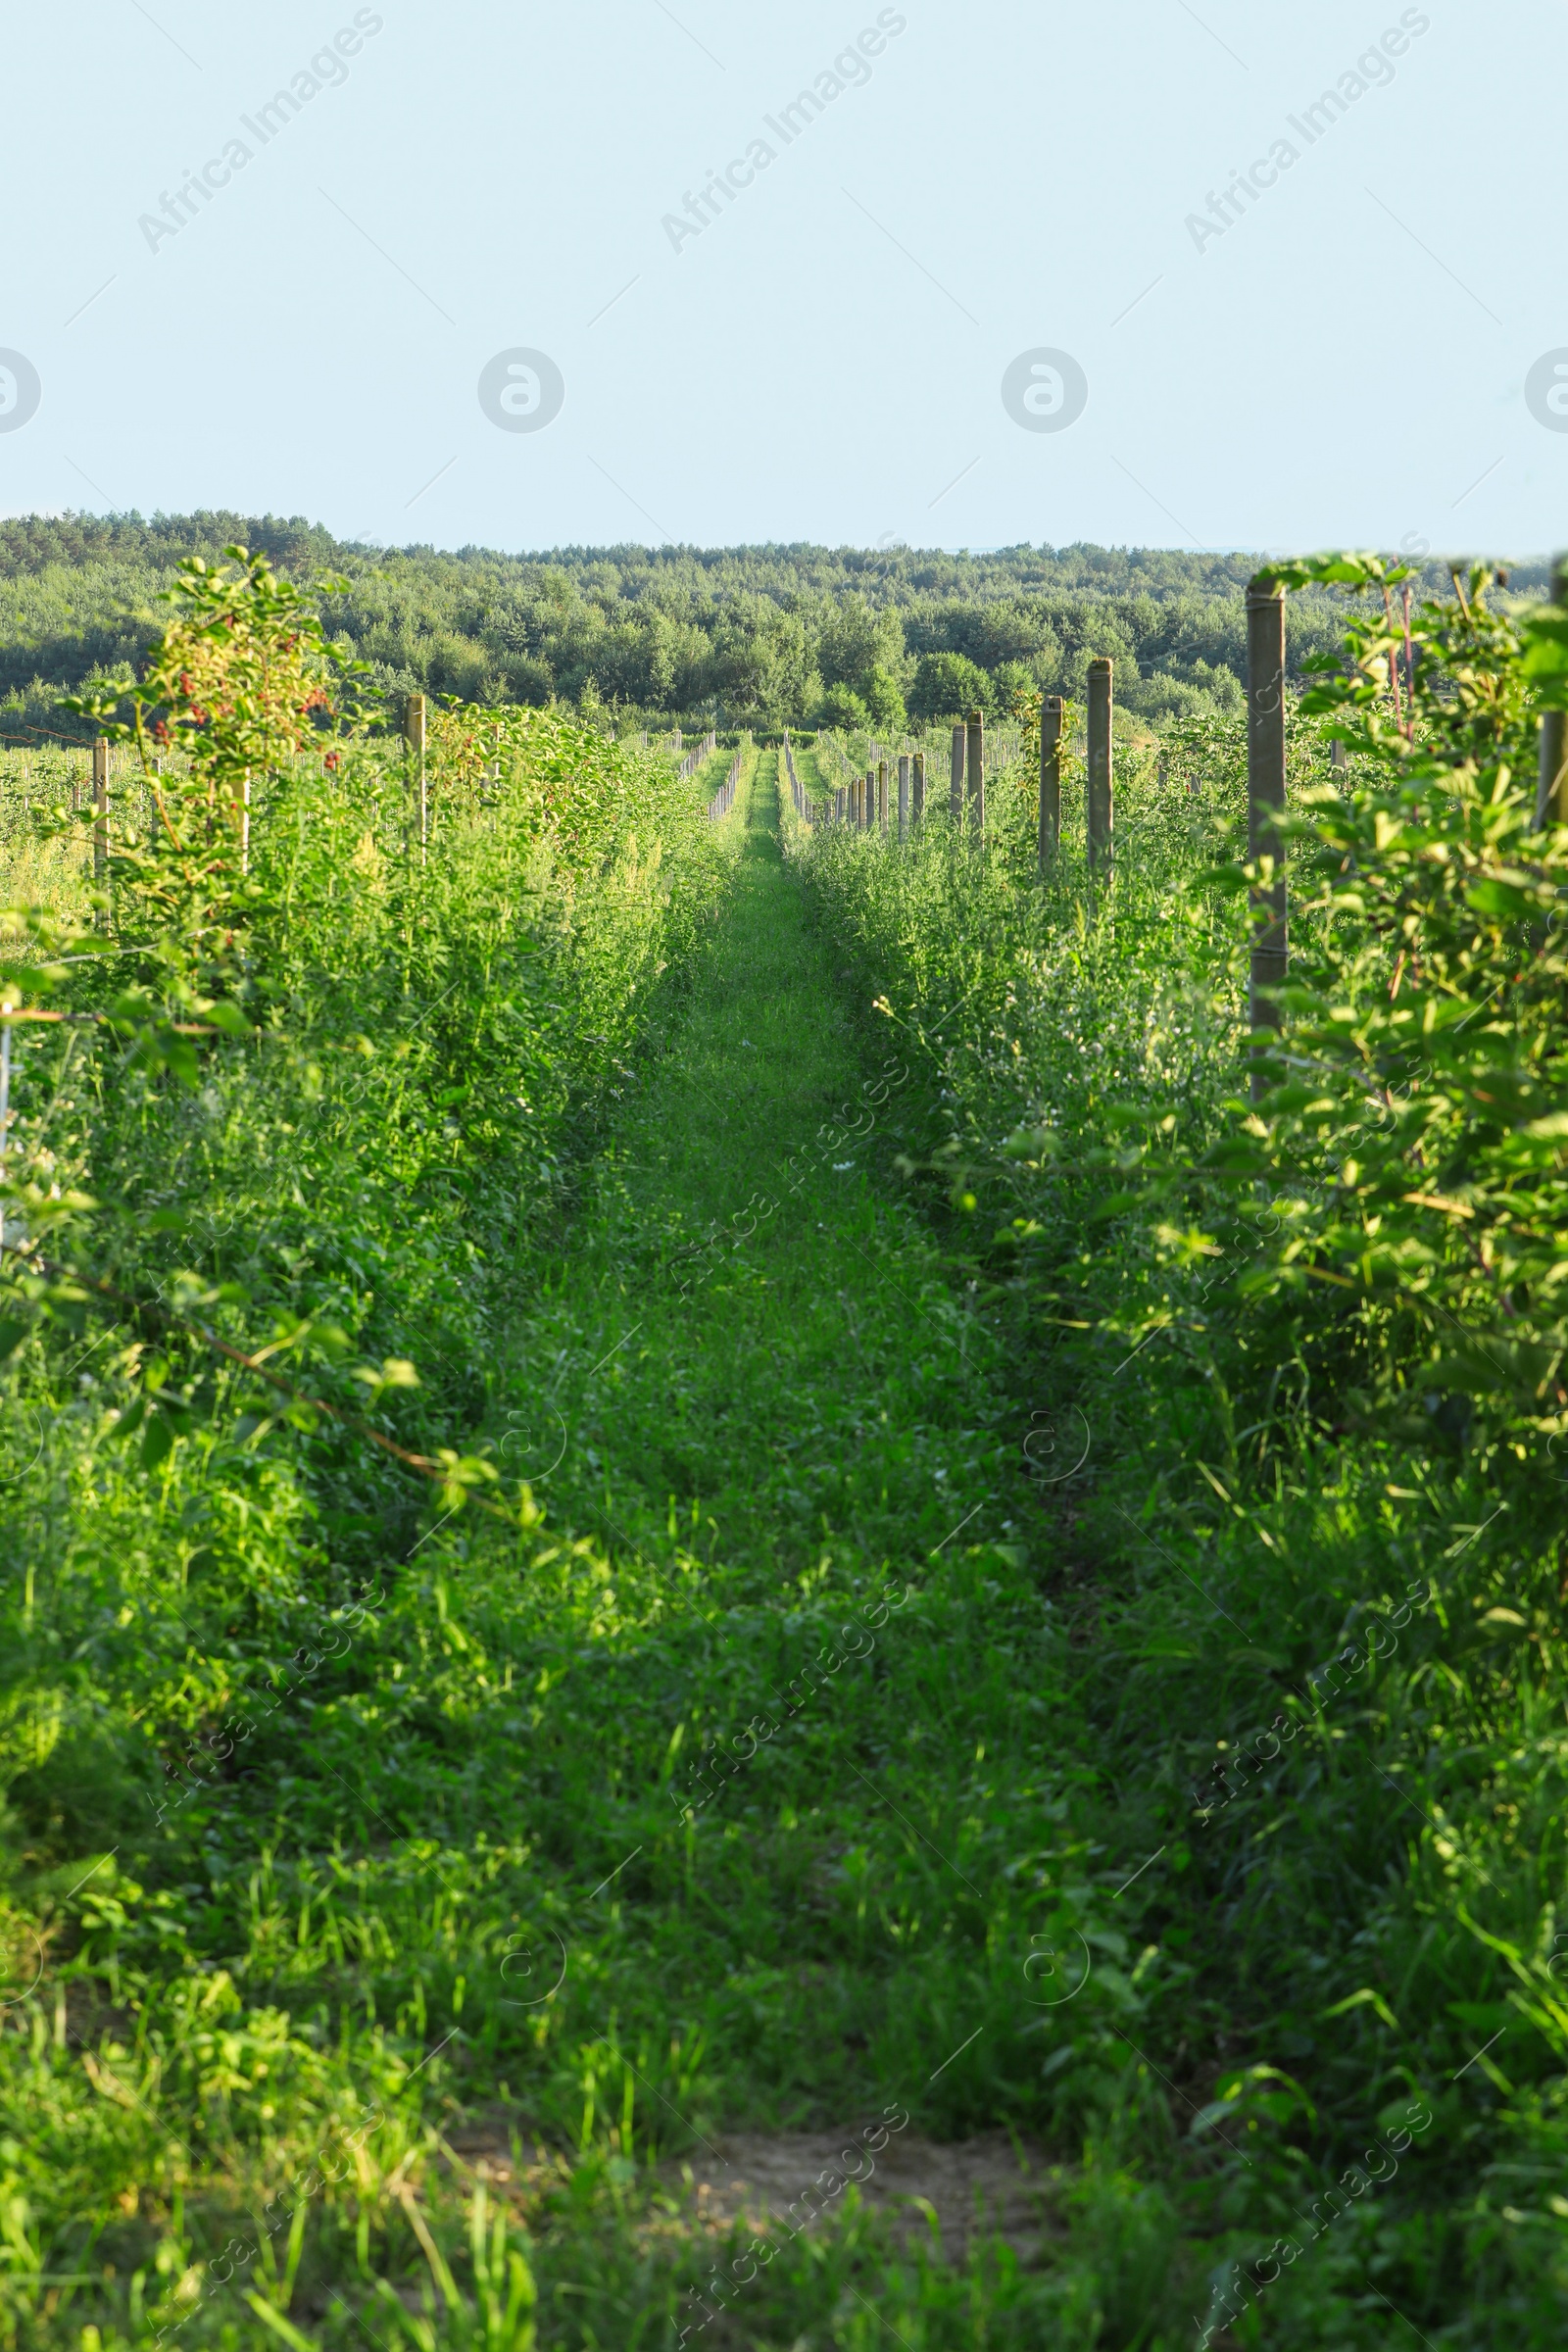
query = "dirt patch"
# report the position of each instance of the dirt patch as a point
(972, 2188)
(488, 2148)
(776, 2183)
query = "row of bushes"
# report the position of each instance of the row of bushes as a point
(1289, 1316)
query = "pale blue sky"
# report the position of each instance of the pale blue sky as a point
(1345, 362)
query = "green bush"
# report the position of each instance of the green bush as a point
(1290, 1372)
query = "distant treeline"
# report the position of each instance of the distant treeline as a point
(754, 636)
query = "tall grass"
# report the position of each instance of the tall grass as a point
(1311, 1535)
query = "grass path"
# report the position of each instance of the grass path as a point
(774, 1457)
(777, 1420)
(734, 1796)
(788, 1360)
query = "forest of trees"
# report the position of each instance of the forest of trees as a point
(757, 636)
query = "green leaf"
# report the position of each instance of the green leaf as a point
(1503, 899)
(158, 1442)
(1115, 1204)
(271, 2316)
(1232, 1157)
(1367, 1998)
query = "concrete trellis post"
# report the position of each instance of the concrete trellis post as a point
(1050, 779)
(882, 794)
(975, 762)
(1100, 792)
(917, 787)
(903, 795)
(955, 785)
(1265, 802)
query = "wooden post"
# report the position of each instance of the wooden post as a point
(100, 801)
(917, 787)
(903, 795)
(955, 785)
(1551, 786)
(1266, 803)
(1101, 788)
(1050, 779)
(414, 728)
(882, 794)
(975, 762)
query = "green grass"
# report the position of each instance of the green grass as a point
(774, 1411)
(1360, 1898)
(505, 1860)
(813, 767)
